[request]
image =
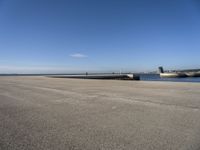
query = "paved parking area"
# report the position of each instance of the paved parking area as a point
(40, 113)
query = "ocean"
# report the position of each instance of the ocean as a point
(143, 77)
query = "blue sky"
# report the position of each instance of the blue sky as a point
(54, 36)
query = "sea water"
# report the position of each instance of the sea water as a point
(143, 77)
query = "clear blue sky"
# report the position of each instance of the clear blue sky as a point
(43, 36)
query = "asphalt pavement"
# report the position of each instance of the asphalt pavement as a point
(40, 113)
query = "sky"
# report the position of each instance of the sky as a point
(65, 36)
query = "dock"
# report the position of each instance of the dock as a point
(100, 76)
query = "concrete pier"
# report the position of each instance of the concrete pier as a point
(40, 113)
(100, 76)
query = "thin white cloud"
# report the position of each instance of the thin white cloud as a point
(78, 55)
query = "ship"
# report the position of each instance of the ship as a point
(179, 73)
